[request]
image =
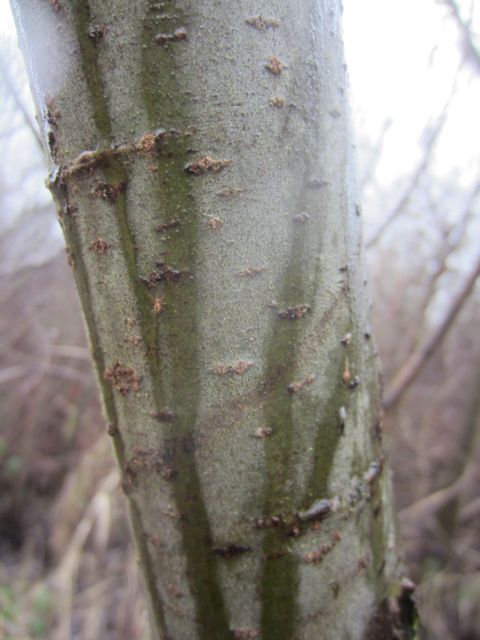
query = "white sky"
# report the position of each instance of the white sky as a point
(402, 58)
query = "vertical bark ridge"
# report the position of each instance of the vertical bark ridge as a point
(115, 173)
(60, 195)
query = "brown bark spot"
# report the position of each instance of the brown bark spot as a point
(301, 218)
(214, 223)
(166, 226)
(245, 634)
(70, 258)
(56, 5)
(146, 144)
(362, 564)
(164, 273)
(165, 415)
(249, 272)
(231, 550)
(261, 23)
(133, 341)
(166, 38)
(159, 305)
(206, 164)
(346, 375)
(295, 387)
(123, 379)
(174, 591)
(319, 554)
(53, 114)
(99, 246)
(277, 101)
(263, 432)
(237, 368)
(293, 313)
(96, 33)
(112, 429)
(229, 192)
(109, 192)
(274, 65)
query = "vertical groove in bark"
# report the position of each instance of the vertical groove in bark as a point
(280, 568)
(91, 70)
(180, 331)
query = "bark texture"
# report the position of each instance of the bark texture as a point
(201, 166)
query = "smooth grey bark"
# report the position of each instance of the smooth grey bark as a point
(201, 165)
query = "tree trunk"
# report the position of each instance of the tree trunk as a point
(201, 166)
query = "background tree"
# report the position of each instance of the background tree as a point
(201, 169)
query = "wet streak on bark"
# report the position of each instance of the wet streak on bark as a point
(167, 107)
(279, 584)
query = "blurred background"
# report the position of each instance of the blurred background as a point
(67, 569)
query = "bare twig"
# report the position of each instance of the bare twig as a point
(470, 510)
(372, 163)
(44, 368)
(469, 48)
(70, 351)
(435, 501)
(19, 104)
(453, 237)
(432, 138)
(418, 359)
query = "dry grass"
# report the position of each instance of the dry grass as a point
(67, 566)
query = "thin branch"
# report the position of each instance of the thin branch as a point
(435, 501)
(19, 104)
(375, 156)
(433, 136)
(469, 48)
(70, 351)
(453, 238)
(40, 369)
(470, 510)
(418, 359)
